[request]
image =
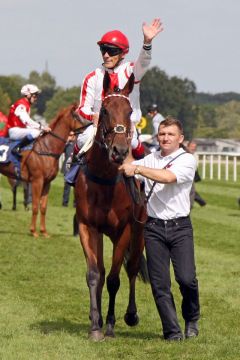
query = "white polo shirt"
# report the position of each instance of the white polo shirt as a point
(169, 201)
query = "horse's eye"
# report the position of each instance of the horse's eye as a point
(103, 111)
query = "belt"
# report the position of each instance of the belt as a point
(170, 222)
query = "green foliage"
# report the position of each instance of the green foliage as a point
(45, 299)
(47, 84)
(203, 115)
(222, 121)
(5, 102)
(173, 96)
(215, 99)
(61, 99)
(11, 85)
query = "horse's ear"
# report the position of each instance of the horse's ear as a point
(106, 83)
(129, 85)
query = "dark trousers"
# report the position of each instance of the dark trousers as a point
(165, 241)
(66, 193)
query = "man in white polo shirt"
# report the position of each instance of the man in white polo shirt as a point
(168, 175)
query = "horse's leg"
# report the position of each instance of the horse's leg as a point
(92, 243)
(36, 194)
(133, 263)
(25, 195)
(13, 183)
(43, 209)
(113, 279)
(14, 192)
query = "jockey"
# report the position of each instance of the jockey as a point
(114, 46)
(20, 125)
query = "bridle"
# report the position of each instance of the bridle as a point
(118, 129)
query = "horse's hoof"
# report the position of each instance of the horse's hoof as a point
(45, 234)
(96, 335)
(131, 319)
(109, 333)
(34, 234)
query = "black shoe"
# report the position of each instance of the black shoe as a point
(175, 338)
(191, 329)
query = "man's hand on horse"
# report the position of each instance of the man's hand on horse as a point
(128, 169)
(47, 129)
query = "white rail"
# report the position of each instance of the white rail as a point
(224, 165)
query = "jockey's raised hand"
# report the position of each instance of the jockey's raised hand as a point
(151, 30)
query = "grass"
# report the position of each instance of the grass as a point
(44, 301)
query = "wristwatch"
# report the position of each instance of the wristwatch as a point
(137, 170)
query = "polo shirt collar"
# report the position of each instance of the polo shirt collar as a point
(172, 155)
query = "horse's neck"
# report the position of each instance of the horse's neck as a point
(57, 143)
(99, 163)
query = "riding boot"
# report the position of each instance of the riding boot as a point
(24, 142)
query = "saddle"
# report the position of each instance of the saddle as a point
(6, 155)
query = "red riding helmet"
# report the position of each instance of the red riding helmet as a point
(116, 38)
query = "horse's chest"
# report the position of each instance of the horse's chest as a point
(106, 208)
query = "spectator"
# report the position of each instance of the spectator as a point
(157, 118)
(67, 153)
(194, 195)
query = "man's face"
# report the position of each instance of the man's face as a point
(169, 138)
(111, 56)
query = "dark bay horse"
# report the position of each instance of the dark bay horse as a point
(39, 166)
(26, 192)
(104, 206)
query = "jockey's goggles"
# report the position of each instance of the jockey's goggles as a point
(111, 50)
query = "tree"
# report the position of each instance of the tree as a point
(5, 102)
(172, 95)
(11, 85)
(61, 99)
(47, 84)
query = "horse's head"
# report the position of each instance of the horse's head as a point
(114, 129)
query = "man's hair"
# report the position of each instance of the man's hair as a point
(169, 120)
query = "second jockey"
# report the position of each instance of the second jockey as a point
(20, 125)
(114, 46)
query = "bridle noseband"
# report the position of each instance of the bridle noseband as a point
(118, 129)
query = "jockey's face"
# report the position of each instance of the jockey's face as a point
(32, 98)
(110, 60)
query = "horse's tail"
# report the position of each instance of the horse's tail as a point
(143, 270)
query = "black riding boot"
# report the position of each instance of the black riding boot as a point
(24, 142)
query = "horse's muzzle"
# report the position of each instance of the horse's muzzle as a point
(118, 154)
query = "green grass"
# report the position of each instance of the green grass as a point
(44, 301)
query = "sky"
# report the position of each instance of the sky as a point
(200, 41)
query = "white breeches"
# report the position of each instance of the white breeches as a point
(88, 134)
(17, 133)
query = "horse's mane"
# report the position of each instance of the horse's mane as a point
(62, 113)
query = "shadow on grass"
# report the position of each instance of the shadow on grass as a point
(62, 325)
(48, 327)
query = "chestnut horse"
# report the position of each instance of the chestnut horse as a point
(105, 206)
(39, 166)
